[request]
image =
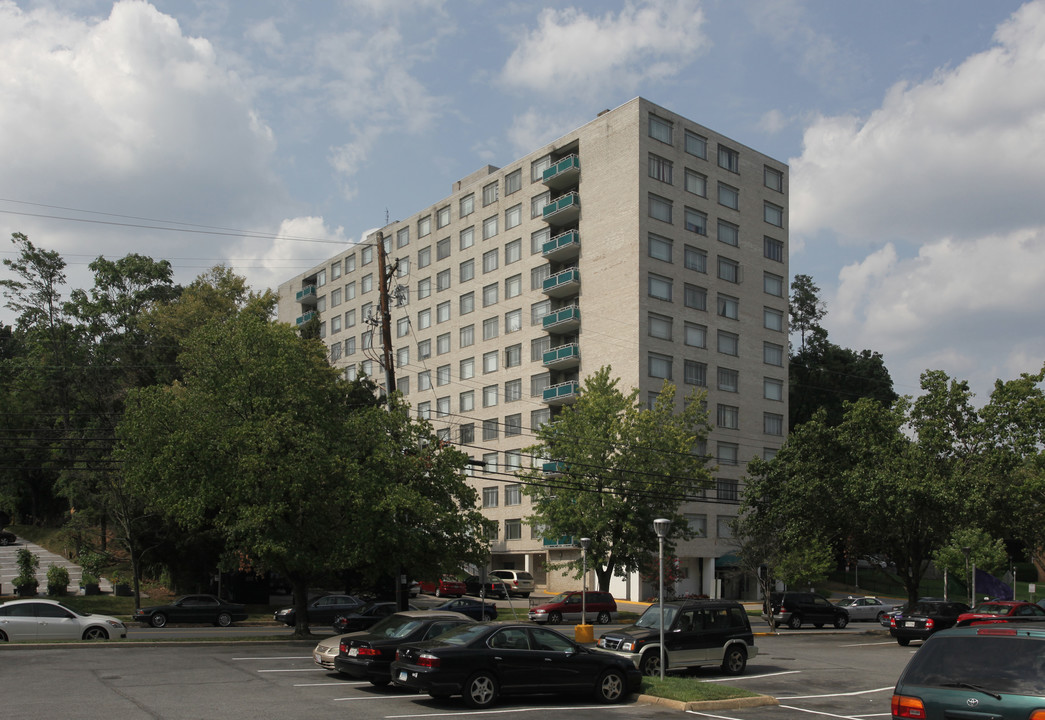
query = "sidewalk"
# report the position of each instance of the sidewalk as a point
(9, 568)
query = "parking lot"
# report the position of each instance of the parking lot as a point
(848, 674)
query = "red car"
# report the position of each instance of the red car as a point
(996, 611)
(443, 587)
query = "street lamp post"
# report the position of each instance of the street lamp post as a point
(585, 542)
(660, 526)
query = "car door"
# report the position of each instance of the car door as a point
(571, 609)
(682, 639)
(206, 609)
(19, 621)
(518, 666)
(820, 610)
(55, 623)
(561, 666)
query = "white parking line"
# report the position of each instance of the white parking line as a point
(371, 697)
(291, 657)
(818, 712)
(845, 694)
(339, 684)
(881, 642)
(509, 710)
(735, 678)
(718, 717)
(296, 670)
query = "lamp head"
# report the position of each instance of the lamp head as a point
(660, 526)
(585, 542)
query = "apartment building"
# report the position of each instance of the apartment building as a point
(641, 240)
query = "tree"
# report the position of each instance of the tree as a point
(623, 466)
(806, 309)
(263, 441)
(985, 552)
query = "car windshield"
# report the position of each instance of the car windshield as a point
(651, 618)
(395, 626)
(992, 609)
(561, 597)
(999, 663)
(463, 634)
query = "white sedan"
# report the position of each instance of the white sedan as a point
(866, 608)
(40, 620)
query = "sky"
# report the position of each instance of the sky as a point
(269, 134)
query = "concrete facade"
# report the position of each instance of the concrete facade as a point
(670, 259)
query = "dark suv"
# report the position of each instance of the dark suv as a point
(794, 608)
(696, 633)
(992, 671)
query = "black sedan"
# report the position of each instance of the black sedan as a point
(7, 538)
(195, 609)
(923, 618)
(486, 660)
(321, 610)
(493, 587)
(369, 655)
(472, 608)
(364, 618)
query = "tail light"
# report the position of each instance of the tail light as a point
(343, 648)
(427, 660)
(367, 652)
(929, 623)
(904, 706)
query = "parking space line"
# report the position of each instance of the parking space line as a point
(818, 712)
(295, 670)
(830, 695)
(290, 657)
(371, 697)
(710, 715)
(734, 678)
(329, 684)
(507, 710)
(880, 642)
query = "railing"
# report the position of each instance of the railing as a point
(568, 351)
(569, 200)
(560, 241)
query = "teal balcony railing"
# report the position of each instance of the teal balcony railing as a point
(564, 541)
(554, 467)
(562, 393)
(563, 210)
(562, 246)
(307, 295)
(563, 173)
(305, 318)
(563, 356)
(561, 284)
(562, 320)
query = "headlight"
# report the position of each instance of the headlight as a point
(284, 611)
(629, 646)
(601, 642)
(116, 624)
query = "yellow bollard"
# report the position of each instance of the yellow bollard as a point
(584, 633)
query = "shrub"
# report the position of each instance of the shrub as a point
(57, 580)
(28, 563)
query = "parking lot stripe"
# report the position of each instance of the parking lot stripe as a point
(818, 712)
(507, 710)
(733, 679)
(845, 694)
(295, 670)
(372, 697)
(289, 657)
(339, 684)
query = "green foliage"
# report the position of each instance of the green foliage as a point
(806, 310)
(28, 563)
(57, 579)
(688, 689)
(985, 553)
(624, 466)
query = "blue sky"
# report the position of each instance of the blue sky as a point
(915, 132)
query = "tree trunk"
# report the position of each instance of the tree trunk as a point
(300, 589)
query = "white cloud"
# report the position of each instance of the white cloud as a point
(291, 252)
(572, 53)
(533, 129)
(772, 122)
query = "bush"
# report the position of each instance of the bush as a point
(26, 582)
(57, 580)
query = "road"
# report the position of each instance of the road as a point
(847, 674)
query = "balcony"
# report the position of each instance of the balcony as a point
(564, 541)
(307, 295)
(554, 468)
(565, 173)
(562, 357)
(306, 317)
(562, 393)
(563, 210)
(562, 284)
(562, 321)
(564, 246)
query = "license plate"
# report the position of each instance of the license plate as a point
(352, 652)
(909, 623)
(402, 675)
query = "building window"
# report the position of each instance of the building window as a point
(728, 233)
(539, 346)
(402, 327)
(538, 310)
(773, 249)
(424, 226)
(513, 182)
(659, 248)
(442, 217)
(660, 326)
(350, 346)
(728, 159)
(728, 380)
(513, 390)
(350, 318)
(538, 202)
(366, 283)
(424, 411)
(728, 307)
(424, 257)
(695, 259)
(772, 424)
(513, 529)
(696, 183)
(490, 328)
(335, 297)
(659, 287)
(490, 361)
(466, 270)
(513, 321)
(513, 493)
(467, 237)
(489, 227)
(660, 168)
(728, 270)
(728, 343)
(489, 396)
(350, 291)
(424, 351)
(442, 249)
(350, 263)
(424, 319)
(490, 294)
(490, 462)
(539, 417)
(467, 205)
(696, 335)
(773, 179)
(726, 490)
(442, 406)
(538, 275)
(442, 280)
(538, 166)
(773, 389)
(491, 429)
(467, 369)
(696, 221)
(403, 385)
(442, 375)
(467, 336)
(659, 366)
(335, 324)
(489, 194)
(728, 453)
(467, 303)
(513, 286)
(403, 357)
(403, 268)
(490, 497)
(773, 354)
(490, 260)
(513, 217)
(442, 344)
(728, 417)
(774, 214)
(466, 401)
(773, 319)
(512, 425)
(660, 129)
(696, 373)
(513, 252)
(728, 196)
(538, 384)
(659, 208)
(367, 255)
(773, 284)
(696, 145)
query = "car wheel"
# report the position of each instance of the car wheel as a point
(650, 663)
(554, 618)
(603, 618)
(794, 622)
(878, 617)
(4, 541)
(480, 691)
(610, 688)
(841, 621)
(735, 660)
(437, 593)
(3, 636)
(224, 620)
(158, 620)
(95, 633)
(903, 641)
(488, 616)
(380, 682)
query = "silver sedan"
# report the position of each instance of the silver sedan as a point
(866, 608)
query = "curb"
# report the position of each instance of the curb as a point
(732, 704)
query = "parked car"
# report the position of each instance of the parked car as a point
(923, 618)
(518, 582)
(321, 610)
(995, 671)
(472, 608)
(996, 611)
(597, 606)
(192, 609)
(493, 587)
(41, 620)
(443, 587)
(794, 608)
(7, 538)
(696, 633)
(365, 617)
(486, 660)
(369, 655)
(866, 608)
